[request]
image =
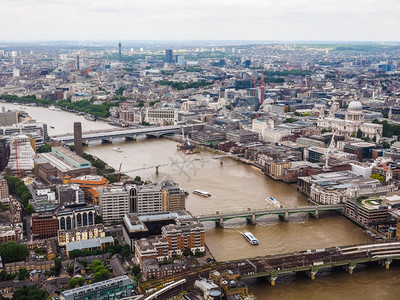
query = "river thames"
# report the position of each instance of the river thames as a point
(235, 186)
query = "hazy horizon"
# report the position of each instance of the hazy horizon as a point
(217, 20)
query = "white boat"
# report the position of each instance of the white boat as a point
(52, 107)
(202, 193)
(250, 238)
(273, 201)
(118, 149)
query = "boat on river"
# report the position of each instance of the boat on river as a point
(273, 201)
(250, 238)
(202, 193)
(118, 149)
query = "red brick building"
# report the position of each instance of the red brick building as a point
(44, 225)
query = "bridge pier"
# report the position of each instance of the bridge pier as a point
(314, 214)
(220, 223)
(133, 137)
(312, 273)
(350, 267)
(252, 220)
(157, 170)
(86, 142)
(221, 162)
(272, 280)
(285, 217)
(387, 263)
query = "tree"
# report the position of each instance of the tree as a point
(44, 148)
(138, 178)
(29, 292)
(72, 283)
(378, 176)
(81, 281)
(29, 209)
(96, 263)
(58, 265)
(22, 274)
(359, 134)
(12, 252)
(135, 270)
(385, 145)
(126, 251)
(187, 252)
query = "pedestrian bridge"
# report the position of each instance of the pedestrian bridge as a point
(107, 135)
(284, 213)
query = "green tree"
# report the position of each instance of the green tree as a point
(126, 251)
(138, 178)
(187, 252)
(385, 145)
(378, 177)
(29, 209)
(96, 263)
(72, 283)
(81, 281)
(12, 252)
(29, 293)
(359, 134)
(135, 270)
(44, 148)
(22, 274)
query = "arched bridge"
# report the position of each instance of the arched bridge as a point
(108, 135)
(283, 213)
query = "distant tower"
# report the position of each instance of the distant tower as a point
(119, 51)
(77, 62)
(169, 56)
(78, 138)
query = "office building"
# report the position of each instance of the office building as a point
(89, 185)
(115, 288)
(114, 203)
(21, 154)
(78, 138)
(73, 218)
(37, 130)
(44, 225)
(169, 56)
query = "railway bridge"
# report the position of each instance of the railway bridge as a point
(251, 215)
(311, 261)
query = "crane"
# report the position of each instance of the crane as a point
(119, 172)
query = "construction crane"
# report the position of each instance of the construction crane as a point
(119, 172)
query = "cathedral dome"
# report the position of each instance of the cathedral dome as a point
(355, 106)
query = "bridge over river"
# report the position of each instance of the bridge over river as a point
(284, 213)
(107, 135)
(310, 261)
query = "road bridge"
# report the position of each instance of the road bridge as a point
(251, 215)
(311, 261)
(107, 135)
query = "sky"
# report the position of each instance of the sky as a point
(266, 20)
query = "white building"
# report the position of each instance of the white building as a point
(161, 116)
(21, 154)
(353, 122)
(114, 203)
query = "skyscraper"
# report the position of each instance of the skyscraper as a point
(169, 56)
(78, 138)
(77, 62)
(119, 51)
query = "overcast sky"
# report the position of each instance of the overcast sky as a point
(323, 20)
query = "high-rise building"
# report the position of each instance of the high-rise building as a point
(169, 56)
(77, 62)
(21, 154)
(4, 153)
(78, 138)
(113, 203)
(119, 52)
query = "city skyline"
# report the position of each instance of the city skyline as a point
(289, 20)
